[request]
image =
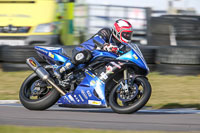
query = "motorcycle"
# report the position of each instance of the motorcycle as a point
(108, 79)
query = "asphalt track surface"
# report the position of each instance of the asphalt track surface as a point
(145, 119)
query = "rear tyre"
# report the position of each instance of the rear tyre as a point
(34, 98)
(141, 98)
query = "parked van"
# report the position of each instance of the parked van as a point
(34, 22)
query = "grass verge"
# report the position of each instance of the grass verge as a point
(10, 83)
(21, 129)
(168, 91)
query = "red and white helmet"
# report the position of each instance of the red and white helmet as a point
(122, 31)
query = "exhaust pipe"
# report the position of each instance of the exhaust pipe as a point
(42, 73)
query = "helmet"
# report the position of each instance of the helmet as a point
(122, 31)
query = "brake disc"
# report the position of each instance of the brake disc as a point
(129, 95)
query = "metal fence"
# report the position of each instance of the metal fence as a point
(91, 18)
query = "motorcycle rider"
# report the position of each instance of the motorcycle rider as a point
(107, 39)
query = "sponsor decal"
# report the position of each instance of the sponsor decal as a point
(103, 76)
(51, 55)
(91, 75)
(32, 63)
(135, 56)
(89, 94)
(67, 99)
(98, 89)
(109, 70)
(76, 98)
(120, 63)
(93, 102)
(92, 83)
(115, 64)
(81, 98)
(71, 98)
(84, 94)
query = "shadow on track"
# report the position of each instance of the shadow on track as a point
(140, 112)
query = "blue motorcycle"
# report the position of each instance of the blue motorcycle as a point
(108, 79)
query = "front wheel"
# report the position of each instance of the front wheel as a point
(126, 102)
(36, 94)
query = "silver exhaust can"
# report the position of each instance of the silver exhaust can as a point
(42, 73)
(37, 68)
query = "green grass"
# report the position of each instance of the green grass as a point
(168, 91)
(21, 129)
(10, 83)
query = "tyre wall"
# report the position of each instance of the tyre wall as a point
(183, 29)
(178, 60)
(13, 58)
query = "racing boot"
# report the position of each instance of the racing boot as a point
(66, 66)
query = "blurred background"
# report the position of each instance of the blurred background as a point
(167, 31)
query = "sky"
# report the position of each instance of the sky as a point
(154, 4)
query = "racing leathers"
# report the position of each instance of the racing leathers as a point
(102, 40)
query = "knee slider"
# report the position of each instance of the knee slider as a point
(82, 57)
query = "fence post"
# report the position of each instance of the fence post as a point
(148, 20)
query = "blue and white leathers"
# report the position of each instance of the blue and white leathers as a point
(91, 90)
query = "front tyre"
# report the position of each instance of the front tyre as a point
(36, 94)
(139, 93)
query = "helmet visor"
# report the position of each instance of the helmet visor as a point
(126, 35)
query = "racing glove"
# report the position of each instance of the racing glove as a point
(111, 48)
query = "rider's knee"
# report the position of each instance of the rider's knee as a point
(82, 57)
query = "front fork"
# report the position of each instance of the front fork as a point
(125, 85)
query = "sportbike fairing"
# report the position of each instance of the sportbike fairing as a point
(135, 56)
(52, 55)
(91, 90)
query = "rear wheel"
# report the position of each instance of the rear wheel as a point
(123, 102)
(36, 94)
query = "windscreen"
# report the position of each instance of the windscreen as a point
(137, 50)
